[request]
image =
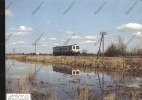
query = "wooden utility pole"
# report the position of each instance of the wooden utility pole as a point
(102, 43)
(103, 33)
(35, 42)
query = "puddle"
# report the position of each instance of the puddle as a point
(65, 83)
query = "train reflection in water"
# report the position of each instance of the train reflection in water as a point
(66, 70)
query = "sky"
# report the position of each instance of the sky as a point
(26, 20)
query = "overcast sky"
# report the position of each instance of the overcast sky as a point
(59, 19)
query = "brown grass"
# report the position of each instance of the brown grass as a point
(127, 65)
(82, 92)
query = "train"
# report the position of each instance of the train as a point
(66, 50)
(66, 70)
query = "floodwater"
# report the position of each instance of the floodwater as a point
(62, 83)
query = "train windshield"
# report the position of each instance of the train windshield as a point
(77, 47)
(73, 47)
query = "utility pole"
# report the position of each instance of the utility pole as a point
(103, 33)
(35, 42)
(102, 43)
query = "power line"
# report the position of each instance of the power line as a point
(9, 67)
(69, 39)
(35, 42)
(97, 42)
(131, 39)
(36, 72)
(9, 36)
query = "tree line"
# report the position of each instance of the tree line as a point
(121, 49)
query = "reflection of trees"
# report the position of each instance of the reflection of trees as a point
(110, 72)
(121, 90)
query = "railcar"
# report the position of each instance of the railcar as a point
(66, 50)
(66, 70)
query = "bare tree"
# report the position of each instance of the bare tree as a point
(112, 50)
(121, 46)
(116, 49)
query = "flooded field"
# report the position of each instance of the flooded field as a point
(56, 82)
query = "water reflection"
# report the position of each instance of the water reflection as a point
(71, 82)
(66, 70)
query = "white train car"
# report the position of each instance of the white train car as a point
(66, 50)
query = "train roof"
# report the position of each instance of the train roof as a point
(67, 45)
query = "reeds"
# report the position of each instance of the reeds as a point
(110, 97)
(23, 87)
(109, 62)
(82, 92)
(116, 64)
(111, 66)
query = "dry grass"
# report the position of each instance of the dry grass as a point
(23, 87)
(82, 92)
(127, 65)
(110, 97)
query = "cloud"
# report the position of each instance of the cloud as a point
(69, 32)
(44, 45)
(111, 39)
(8, 12)
(56, 44)
(138, 34)
(21, 33)
(43, 39)
(76, 37)
(130, 27)
(88, 42)
(18, 43)
(53, 39)
(90, 37)
(84, 37)
(22, 30)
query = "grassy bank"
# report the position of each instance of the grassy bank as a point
(117, 63)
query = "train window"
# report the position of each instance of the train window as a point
(77, 47)
(70, 48)
(73, 47)
(73, 72)
(56, 49)
(77, 71)
(64, 48)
